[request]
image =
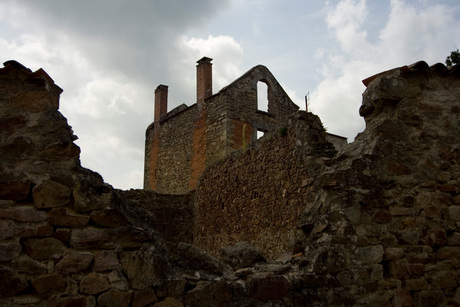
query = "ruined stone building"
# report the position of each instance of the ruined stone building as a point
(181, 143)
(290, 221)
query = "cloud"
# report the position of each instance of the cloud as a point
(225, 51)
(108, 56)
(410, 33)
(346, 20)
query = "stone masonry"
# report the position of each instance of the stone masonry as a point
(286, 221)
(182, 143)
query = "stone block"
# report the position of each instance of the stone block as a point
(67, 218)
(172, 287)
(46, 248)
(402, 298)
(409, 235)
(268, 287)
(444, 280)
(35, 230)
(241, 255)
(7, 230)
(209, 294)
(345, 278)
(23, 214)
(85, 197)
(454, 213)
(86, 301)
(27, 300)
(403, 211)
(449, 188)
(369, 254)
(448, 252)
(74, 263)
(399, 269)
(114, 298)
(48, 285)
(143, 298)
(9, 251)
(109, 218)
(129, 237)
(415, 284)
(376, 272)
(382, 216)
(50, 194)
(194, 258)
(94, 283)
(170, 302)
(90, 238)
(456, 299)
(393, 253)
(432, 212)
(143, 269)
(15, 190)
(429, 298)
(436, 237)
(118, 281)
(454, 239)
(106, 260)
(11, 283)
(62, 234)
(27, 265)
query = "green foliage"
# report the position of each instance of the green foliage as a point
(283, 131)
(453, 58)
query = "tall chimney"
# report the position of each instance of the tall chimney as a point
(161, 101)
(203, 79)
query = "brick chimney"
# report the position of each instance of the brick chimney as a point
(161, 101)
(203, 79)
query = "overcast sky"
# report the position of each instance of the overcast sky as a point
(109, 56)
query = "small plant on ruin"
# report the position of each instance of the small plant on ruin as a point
(283, 131)
(453, 58)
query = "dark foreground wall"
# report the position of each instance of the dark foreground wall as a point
(377, 224)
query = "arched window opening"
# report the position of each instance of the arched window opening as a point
(262, 96)
(260, 134)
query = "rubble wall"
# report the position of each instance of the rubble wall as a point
(380, 219)
(258, 194)
(66, 237)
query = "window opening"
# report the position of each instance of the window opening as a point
(260, 134)
(262, 96)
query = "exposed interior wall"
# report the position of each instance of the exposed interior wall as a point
(258, 194)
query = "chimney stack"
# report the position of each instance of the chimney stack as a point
(161, 101)
(203, 79)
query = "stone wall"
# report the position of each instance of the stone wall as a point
(377, 224)
(64, 239)
(257, 195)
(69, 239)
